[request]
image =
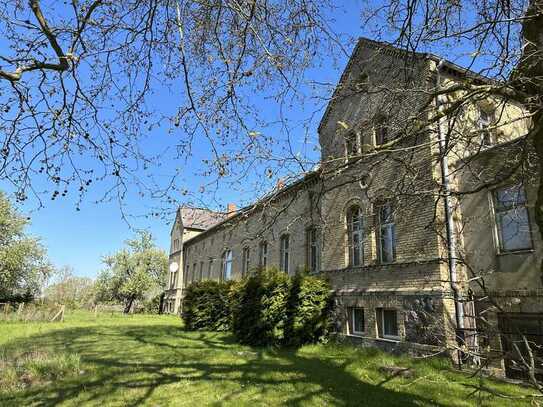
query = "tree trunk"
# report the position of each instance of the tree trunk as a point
(128, 305)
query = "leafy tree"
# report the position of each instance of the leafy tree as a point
(23, 263)
(133, 273)
(70, 290)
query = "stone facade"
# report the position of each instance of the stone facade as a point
(372, 219)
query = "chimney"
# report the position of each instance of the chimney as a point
(280, 184)
(230, 209)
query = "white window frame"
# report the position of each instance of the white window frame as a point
(487, 118)
(284, 252)
(383, 334)
(353, 321)
(388, 229)
(355, 234)
(226, 272)
(498, 212)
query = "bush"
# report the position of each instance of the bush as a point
(265, 308)
(270, 308)
(206, 306)
(259, 303)
(309, 310)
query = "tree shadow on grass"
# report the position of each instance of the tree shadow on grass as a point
(131, 365)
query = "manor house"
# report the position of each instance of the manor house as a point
(404, 221)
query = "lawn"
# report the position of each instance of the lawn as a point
(117, 360)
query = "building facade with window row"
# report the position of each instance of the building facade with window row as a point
(373, 219)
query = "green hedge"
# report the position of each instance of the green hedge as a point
(206, 306)
(265, 308)
(309, 310)
(259, 305)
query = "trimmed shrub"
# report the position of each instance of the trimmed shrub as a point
(271, 308)
(309, 310)
(258, 307)
(206, 306)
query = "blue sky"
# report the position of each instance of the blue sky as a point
(80, 238)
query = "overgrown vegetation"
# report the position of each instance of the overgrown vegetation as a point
(152, 361)
(265, 308)
(30, 368)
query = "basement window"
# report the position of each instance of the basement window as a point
(387, 323)
(356, 321)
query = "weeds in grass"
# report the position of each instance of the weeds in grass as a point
(19, 371)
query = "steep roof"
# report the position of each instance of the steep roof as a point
(200, 218)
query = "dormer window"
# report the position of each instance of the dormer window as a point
(485, 120)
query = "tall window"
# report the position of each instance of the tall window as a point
(194, 272)
(263, 254)
(245, 260)
(387, 323)
(313, 252)
(209, 268)
(355, 236)
(227, 264)
(201, 276)
(187, 274)
(387, 234)
(284, 253)
(381, 131)
(512, 219)
(175, 245)
(486, 119)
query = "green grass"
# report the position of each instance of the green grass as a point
(118, 360)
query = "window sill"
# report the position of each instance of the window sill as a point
(390, 339)
(522, 251)
(357, 335)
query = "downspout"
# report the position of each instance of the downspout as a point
(449, 222)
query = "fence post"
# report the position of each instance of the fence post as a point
(20, 310)
(59, 314)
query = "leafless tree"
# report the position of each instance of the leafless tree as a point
(80, 81)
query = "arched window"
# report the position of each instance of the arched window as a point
(355, 236)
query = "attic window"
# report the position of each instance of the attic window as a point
(485, 120)
(361, 82)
